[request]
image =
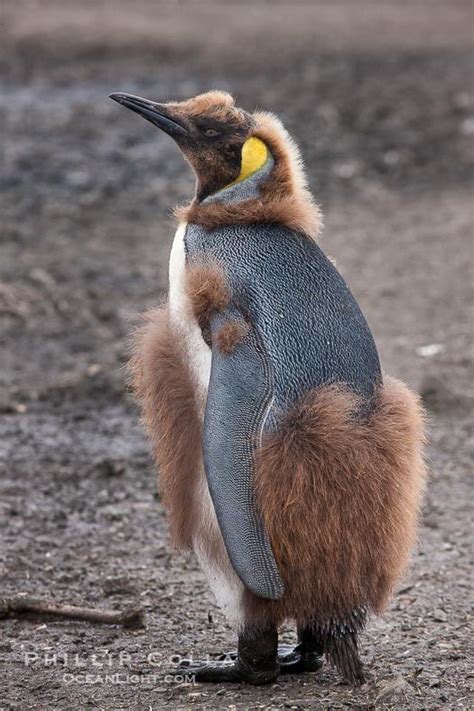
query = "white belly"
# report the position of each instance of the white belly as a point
(207, 541)
(196, 349)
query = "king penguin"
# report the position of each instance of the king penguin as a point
(287, 461)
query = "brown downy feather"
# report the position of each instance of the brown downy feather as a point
(217, 102)
(164, 390)
(230, 334)
(208, 292)
(340, 498)
(284, 199)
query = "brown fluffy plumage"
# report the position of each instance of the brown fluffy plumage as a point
(164, 390)
(217, 103)
(208, 292)
(340, 499)
(230, 335)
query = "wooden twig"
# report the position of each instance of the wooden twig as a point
(131, 618)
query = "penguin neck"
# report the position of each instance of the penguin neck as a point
(274, 192)
(247, 188)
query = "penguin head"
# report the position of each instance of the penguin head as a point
(213, 134)
(226, 145)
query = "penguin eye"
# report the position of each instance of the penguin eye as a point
(211, 132)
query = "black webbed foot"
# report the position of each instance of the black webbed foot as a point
(260, 660)
(220, 671)
(291, 660)
(212, 672)
(228, 668)
(255, 662)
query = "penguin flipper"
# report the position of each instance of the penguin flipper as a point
(239, 397)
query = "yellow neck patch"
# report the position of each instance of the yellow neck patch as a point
(254, 156)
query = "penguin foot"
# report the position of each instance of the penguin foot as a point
(224, 671)
(213, 672)
(297, 660)
(255, 662)
(291, 660)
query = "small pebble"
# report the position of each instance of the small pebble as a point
(440, 615)
(430, 350)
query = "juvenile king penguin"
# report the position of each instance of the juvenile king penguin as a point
(289, 464)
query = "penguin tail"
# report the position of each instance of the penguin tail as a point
(337, 640)
(343, 653)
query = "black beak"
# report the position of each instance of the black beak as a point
(159, 114)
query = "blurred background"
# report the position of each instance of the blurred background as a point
(378, 94)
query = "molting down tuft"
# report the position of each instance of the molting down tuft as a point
(208, 292)
(340, 497)
(210, 101)
(230, 335)
(164, 389)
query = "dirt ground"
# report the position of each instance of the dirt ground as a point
(378, 96)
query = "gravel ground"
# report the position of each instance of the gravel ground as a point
(378, 96)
